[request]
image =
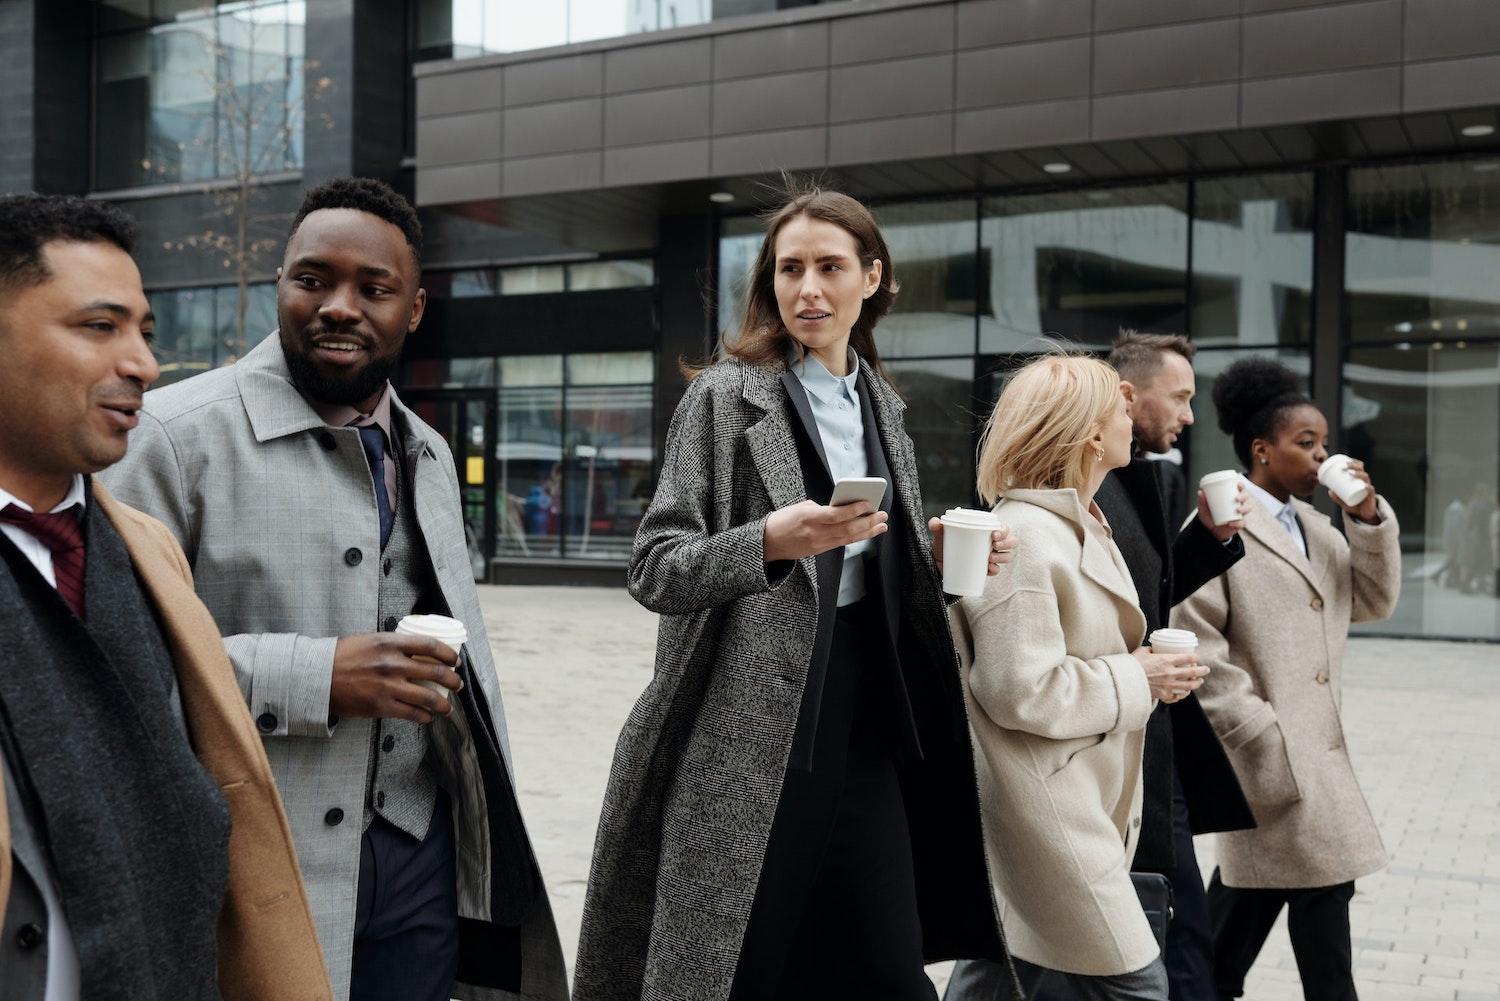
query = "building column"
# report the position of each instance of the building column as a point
(1330, 310)
(685, 276)
(355, 82)
(44, 75)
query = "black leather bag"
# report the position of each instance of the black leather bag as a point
(1156, 900)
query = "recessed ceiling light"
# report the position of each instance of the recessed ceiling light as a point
(1477, 131)
(1057, 168)
(721, 198)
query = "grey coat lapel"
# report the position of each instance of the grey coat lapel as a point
(1274, 537)
(770, 440)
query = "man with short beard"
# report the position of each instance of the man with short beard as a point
(317, 511)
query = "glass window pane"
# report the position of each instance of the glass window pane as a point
(122, 111)
(1252, 260)
(182, 102)
(614, 368)
(531, 370)
(255, 115)
(739, 242)
(117, 15)
(529, 472)
(447, 373)
(939, 419)
(185, 333)
(610, 274)
(531, 280)
(473, 284)
(609, 469)
(1423, 251)
(933, 254)
(232, 339)
(1426, 421)
(1076, 266)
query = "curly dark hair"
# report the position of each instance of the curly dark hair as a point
(1253, 397)
(29, 222)
(367, 195)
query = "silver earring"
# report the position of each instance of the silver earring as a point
(1265, 461)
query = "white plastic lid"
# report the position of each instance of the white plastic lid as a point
(439, 627)
(1174, 637)
(1336, 461)
(966, 517)
(1223, 474)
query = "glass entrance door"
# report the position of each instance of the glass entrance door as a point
(466, 420)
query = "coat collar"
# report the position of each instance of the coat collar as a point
(1270, 533)
(1095, 563)
(274, 406)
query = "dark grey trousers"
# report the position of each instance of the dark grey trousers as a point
(982, 980)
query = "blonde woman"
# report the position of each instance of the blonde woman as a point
(1059, 688)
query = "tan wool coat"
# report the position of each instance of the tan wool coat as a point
(1058, 710)
(268, 946)
(1272, 631)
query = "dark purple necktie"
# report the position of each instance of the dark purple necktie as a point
(62, 533)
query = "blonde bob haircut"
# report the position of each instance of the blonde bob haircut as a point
(1039, 434)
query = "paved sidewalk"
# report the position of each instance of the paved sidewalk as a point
(1424, 727)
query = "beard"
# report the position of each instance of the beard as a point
(350, 390)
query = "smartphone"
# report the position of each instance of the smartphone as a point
(870, 489)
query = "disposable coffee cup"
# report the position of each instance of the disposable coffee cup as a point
(1334, 474)
(1223, 490)
(445, 630)
(966, 549)
(1173, 641)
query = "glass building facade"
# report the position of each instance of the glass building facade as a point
(1229, 261)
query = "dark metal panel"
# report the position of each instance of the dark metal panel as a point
(611, 320)
(1330, 315)
(1181, 55)
(892, 34)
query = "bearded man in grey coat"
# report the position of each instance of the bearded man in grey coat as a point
(317, 512)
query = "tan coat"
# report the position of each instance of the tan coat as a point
(268, 948)
(1058, 709)
(1272, 631)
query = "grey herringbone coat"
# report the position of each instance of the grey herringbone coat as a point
(699, 764)
(277, 517)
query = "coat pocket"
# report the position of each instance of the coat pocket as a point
(1264, 768)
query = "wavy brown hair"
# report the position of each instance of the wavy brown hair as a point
(762, 338)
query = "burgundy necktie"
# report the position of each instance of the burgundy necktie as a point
(62, 533)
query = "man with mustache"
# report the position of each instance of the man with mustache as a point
(317, 511)
(144, 854)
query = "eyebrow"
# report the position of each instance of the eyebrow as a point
(116, 308)
(365, 271)
(825, 257)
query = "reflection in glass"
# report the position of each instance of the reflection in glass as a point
(932, 248)
(197, 329)
(1252, 260)
(531, 280)
(597, 275)
(939, 419)
(609, 454)
(739, 242)
(1423, 251)
(1426, 420)
(1076, 266)
(473, 284)
(459, 29)
(528, 453)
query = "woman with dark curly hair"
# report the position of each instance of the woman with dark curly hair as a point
(792, 810)
(1272, 630)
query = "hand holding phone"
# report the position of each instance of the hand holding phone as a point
(870, 489)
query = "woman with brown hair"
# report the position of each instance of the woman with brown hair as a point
(792, 809)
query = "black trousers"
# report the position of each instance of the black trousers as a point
(406, 920)
(1317, 923)
(1189, 954)
(835, 913)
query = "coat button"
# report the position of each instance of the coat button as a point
(390, 623)
(353, 556)
(29, 936)
(380, 800)
(334, 817)
(1135, 821)
(1322, 678)
(1317, 604)
(386, 569)
(326, 440)
(266, 722)
(388, 744)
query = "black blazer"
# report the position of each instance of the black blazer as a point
(1177, 735)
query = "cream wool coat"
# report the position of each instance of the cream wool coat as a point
(1058, 709)
(1272, 631)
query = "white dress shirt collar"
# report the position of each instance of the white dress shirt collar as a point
(76, 495)
(1285, 512)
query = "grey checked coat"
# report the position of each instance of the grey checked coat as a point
(277, 517)
(699, 764)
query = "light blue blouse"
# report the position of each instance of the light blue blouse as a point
(835, 408)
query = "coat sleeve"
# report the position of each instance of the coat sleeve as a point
(680, 564)
(1374, 564)
(1198, 557)
(283, 676)
(1228, 695)
(1023, 677)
